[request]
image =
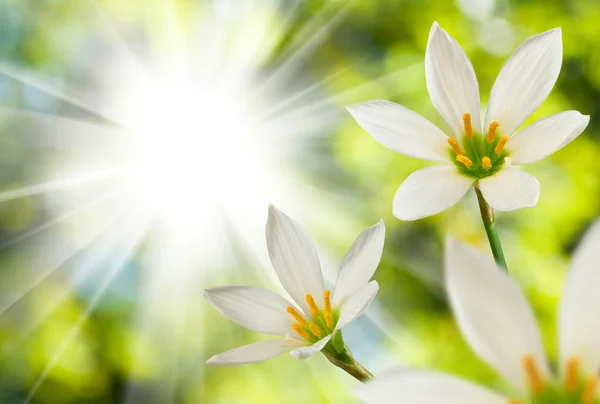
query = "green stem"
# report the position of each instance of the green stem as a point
(345, 361)
(487, 215)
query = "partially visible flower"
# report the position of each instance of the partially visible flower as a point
(496, 320)
(307, 325)
(475, 155)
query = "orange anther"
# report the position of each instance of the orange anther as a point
(536, 384)
(486, 163)
(571, 374)
(500, 145)
(492, 132)
(328, 319)
(467, 125)
(314, 329)
(327, 300)
(300, 331)
(296, 315)
(313, 306)
(589, 390)
(465, 160)
(455, 146)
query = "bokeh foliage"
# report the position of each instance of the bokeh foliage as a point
(374, 49)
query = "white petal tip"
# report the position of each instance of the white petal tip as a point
(556, 35)
(207, 294)
(435, 30)
(273, 213)
(379, 225)
(213, 360)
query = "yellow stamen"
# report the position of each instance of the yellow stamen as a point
(313, 306)
(300, 331)
(486, 163)
(492, 132)
(455, 146)
(536, 384)
(465, 160)
(589, 390)
(327, 300)
(467, 124)
(572, 374)
(314, 329)
(296, 315)
(327, 312)
(500, 145)
(328, 319)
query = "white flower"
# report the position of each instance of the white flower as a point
(477, 156)
(308, 325)
(496, 320)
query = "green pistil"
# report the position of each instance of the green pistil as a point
(476, 148)
(321, 323)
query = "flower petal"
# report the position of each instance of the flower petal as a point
(424, 387)
(510, 189)
(525, 81)
(308, 351)
(401, 130)
(546, 136)
(360, 263)
(356, 304)
(259, 351)
(451, 81)
(579, 322)
(492, 313)
(257, 309)
(294, 258)
(429, 191)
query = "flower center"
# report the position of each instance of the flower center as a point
(320, 324)
(575, 388)
(478, 156)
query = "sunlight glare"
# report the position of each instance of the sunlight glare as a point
(192, 145)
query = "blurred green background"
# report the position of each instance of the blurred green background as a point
(70, 333)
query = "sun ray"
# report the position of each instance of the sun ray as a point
(309, 35)
(57, 185)
(64, 125)
(300, 114)
(45, 85)
(88, 266)
(131, 240)
(289, 101)
(48, 269)
(116, 40)
(316, 30)
(163, 307)
(59, 219)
